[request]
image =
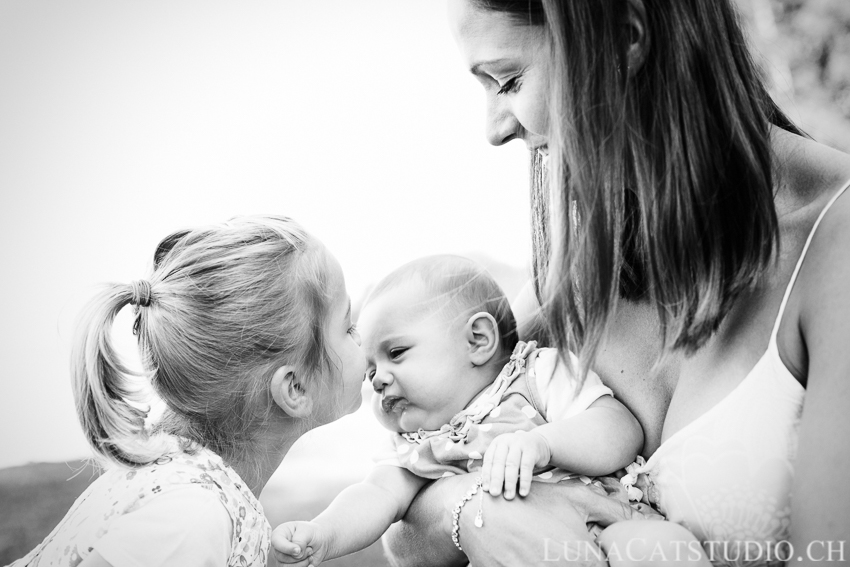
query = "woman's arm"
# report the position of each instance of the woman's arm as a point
(423, 537)
(547, 526)
(819, 513)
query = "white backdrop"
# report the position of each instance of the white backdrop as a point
(123, 121)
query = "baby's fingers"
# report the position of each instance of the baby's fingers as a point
(486, 467)
(297, 559)
(289, 544)
(497, 469)
(512, 465)
(526, 471)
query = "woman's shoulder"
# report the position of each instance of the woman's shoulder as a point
(816, 239)
(812, 198)
(808, 175)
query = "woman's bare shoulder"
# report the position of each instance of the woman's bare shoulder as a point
(808, 174)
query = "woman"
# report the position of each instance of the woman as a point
(671, 262)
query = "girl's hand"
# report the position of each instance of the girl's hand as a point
(299, 543)
(512, 457)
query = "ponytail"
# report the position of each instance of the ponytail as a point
(223, 307)
(102, 383)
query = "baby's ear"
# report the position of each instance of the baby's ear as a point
(482, 336)
(289, 393)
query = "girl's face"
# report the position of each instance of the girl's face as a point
(344, 343)
(510, 62)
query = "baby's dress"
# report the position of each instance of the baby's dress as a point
(186, 509)
(514, 402)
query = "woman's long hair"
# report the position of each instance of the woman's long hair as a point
(661, 179)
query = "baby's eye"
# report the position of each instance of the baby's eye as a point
(369, 375)
(397, 352)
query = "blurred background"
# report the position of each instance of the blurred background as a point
(121, 122)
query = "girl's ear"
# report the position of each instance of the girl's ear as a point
(289, 393)
(482, 337)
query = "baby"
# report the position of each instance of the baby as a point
(461, 394)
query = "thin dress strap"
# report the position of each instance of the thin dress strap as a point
(800, 261)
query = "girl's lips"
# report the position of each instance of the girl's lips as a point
(393, 404)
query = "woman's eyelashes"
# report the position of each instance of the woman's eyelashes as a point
(511, 86)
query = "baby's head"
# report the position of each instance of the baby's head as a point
(435, 332)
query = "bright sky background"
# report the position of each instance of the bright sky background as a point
(123, 121)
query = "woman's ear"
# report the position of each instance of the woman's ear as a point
(638, 36)
(482, 336)
(289, 393)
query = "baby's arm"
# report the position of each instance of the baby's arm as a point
(355, 519)
(598, 441)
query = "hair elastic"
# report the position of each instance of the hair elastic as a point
(141, 293)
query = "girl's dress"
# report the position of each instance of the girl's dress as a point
(727, 475)
(186, 509)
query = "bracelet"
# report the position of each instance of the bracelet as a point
(479, 517)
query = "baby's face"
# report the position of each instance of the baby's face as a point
(417, 359)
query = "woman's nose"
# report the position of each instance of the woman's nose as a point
(501, 126)
(381, 380)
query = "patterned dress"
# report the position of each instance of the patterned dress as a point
(120, 492)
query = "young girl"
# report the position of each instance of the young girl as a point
(244, 331)
(436, 333)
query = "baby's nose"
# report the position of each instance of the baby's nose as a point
(381, 380)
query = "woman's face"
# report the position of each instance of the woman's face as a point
(510, 62)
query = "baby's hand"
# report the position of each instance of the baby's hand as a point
(510, 457)
(299, 543)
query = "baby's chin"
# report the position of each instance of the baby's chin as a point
(399, 421)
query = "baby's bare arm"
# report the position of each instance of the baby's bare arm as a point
(362, 512)
(600, 440)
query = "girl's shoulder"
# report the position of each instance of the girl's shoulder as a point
(193, 499)
(199, 469)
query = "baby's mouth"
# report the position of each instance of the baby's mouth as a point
(393, 404)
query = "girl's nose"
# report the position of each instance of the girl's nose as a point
(381, 380)
(501, 124)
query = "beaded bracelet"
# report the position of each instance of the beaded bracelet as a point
(479, 517)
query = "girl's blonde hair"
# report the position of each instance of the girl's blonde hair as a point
(224, 307)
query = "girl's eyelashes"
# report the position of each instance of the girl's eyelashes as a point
(368, 375)
(355, 335)
(510, 86)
